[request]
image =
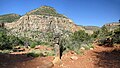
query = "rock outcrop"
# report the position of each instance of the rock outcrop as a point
(90, 29)
(112, 26)
(38, 27)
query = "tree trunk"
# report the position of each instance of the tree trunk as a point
(57, 54)
(57, 50)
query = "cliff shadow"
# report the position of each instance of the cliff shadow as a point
(108, 59)
(10, 60)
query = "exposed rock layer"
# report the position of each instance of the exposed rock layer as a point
(36, 26)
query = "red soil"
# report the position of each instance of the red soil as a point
(100, 57)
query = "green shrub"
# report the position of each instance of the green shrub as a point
(4, 40)
(33, 55)
(102, 33)
(89, 45)
(41, 53)
(80, 36)
(73, 41)
(107, 37)
(116, 36)
(48, 53)
(44, 43)
(8, 41)
(33, 44)
(6, 51)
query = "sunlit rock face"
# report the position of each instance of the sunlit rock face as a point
(38, 27)
(112, 26)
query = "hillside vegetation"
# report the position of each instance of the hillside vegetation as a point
(92, 28)
(106, 36)
(45, 10)
(41, 26)
(46, 34)
(7, 18)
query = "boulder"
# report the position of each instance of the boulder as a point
(74, 58)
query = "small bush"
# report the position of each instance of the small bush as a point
(6, 51)
(33, 44)
(90, 45)
(48, 53)
(79, 52)
(116, 36)
(37, 53)
(33, 55)
(8, 42)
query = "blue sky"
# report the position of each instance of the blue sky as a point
(82, 12)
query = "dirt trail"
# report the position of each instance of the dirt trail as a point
(99, 57)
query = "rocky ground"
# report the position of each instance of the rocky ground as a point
(99, 57)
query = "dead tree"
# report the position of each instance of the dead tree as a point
(56, 43)
(2, 25)
(57, 46)
(55, 40)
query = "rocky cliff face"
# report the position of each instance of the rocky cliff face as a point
(112, 26)
(39, 27)
(90, 29)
